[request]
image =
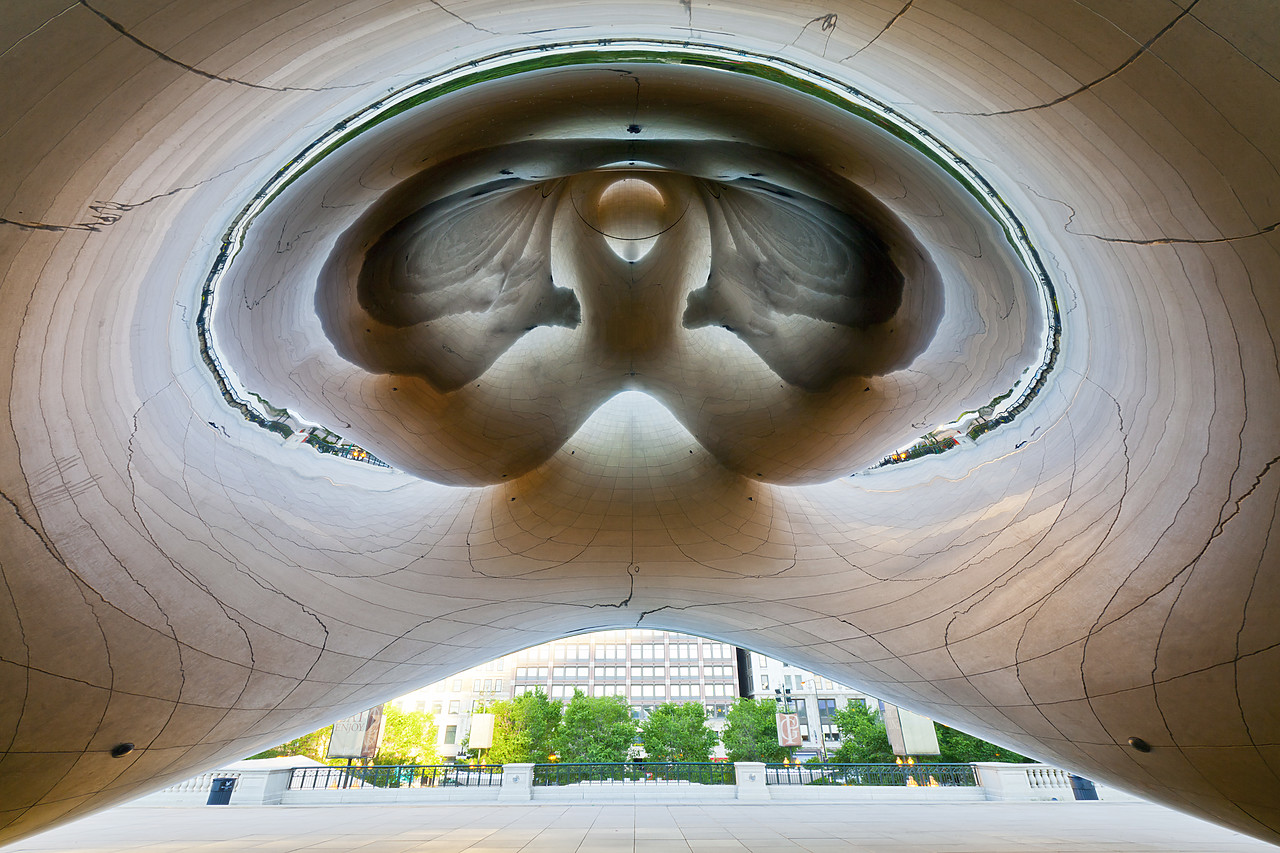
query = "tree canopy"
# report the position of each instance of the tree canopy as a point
(595, 729)
(960, 748)
(408, 737)
(751, 732)
(863, 738)
(678, 732)
(524, 728)
(312, 745)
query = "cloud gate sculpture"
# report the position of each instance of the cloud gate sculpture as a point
(925, 344)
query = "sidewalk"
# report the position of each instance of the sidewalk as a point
(553, 828)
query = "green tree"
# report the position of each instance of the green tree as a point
(863, 739)
(595, 729)
(751, 732)
(678, 732)
(408, 737)
(524, 728)
(960, 748)
(313, 745)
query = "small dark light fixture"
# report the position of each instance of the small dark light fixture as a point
(1139, 744)
(120, 750)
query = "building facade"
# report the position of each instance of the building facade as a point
(811, 696)
(646, 667)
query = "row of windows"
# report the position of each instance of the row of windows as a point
(797, 682)
(540, 672)
(639, 651)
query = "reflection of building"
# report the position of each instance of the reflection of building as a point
(645, 667)
(812, 697)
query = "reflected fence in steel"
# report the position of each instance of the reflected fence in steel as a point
(635, 773)
(396, 776)
(907, 775)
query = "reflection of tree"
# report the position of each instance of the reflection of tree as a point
(751, 732)
(678, 732)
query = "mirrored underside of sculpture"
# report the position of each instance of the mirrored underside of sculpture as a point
(927, 347)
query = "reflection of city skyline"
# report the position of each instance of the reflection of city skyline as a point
(645, 667)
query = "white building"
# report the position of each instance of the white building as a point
(646, 667)
(812, 697)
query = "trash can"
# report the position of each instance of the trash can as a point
(1083, 788)
(220, 792)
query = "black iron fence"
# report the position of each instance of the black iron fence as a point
(633, 772)
(396, 776)
(910, 775)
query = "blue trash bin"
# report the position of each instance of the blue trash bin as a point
(220, 792)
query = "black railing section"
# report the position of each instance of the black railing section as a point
(396, 776)
(634, 772)
(922, 775)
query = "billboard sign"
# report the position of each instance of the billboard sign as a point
(909, 733)
(481, 736)
(788, 729)
(357, 735)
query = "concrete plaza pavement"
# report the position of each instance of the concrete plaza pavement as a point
(1051, 827)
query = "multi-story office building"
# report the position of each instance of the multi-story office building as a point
(811, 696)
(645, 667)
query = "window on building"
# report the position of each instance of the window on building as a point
(804, 716)
(825, 707)
(475, 685)
(450, 734)
(421, 706)
(497, 685)
(488, 685)
(436, 707)
(456, 686)
(453, 706)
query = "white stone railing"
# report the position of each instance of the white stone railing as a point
(270, 786)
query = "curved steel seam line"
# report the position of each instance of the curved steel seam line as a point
(569, 54)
